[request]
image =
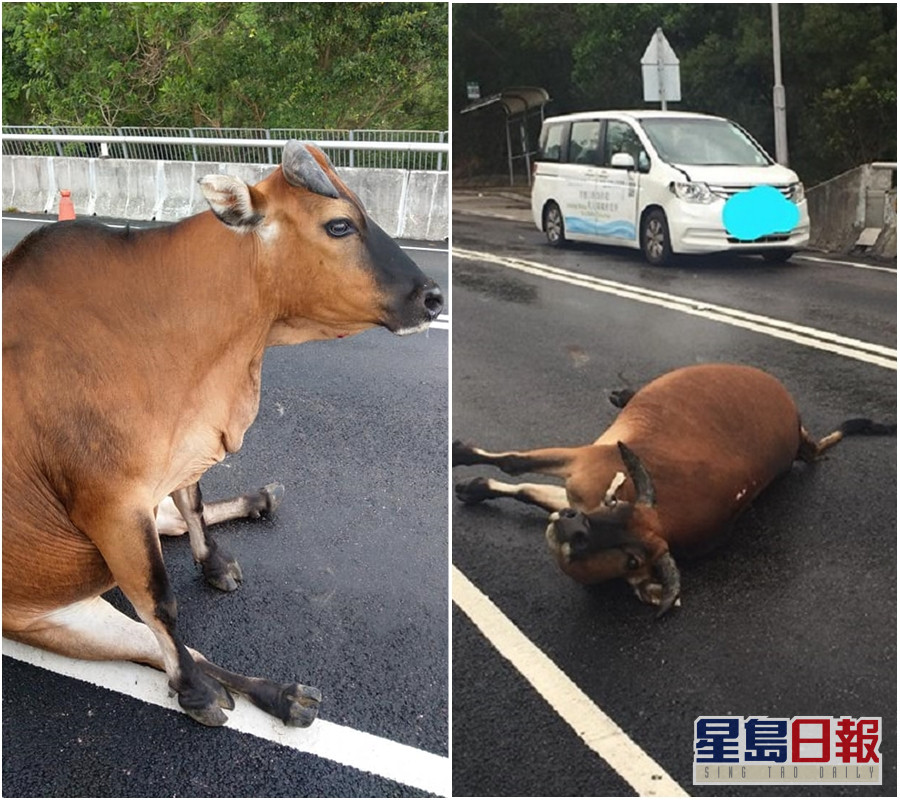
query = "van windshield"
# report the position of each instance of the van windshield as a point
(703, 142)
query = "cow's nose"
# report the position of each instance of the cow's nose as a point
(433, 300)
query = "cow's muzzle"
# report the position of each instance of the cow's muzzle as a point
(568, 532)
(421, 308)
(432, 300)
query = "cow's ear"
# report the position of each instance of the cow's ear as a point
(232, 201)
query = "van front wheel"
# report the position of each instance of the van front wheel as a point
(554, 226)
(655, 242)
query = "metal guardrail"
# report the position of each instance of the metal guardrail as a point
(415, 150)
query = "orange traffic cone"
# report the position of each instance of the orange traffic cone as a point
(66, 207)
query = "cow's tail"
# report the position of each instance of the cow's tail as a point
(811, 449)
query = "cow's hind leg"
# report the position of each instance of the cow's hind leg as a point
(550, 498)
(253, 505)
(812, 449)
(94, 630)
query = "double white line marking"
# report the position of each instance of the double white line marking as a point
(596, 729)
(780, 329)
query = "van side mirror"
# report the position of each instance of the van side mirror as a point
(622, 160)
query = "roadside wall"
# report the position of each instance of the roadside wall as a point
(406, 203)
(842, 208)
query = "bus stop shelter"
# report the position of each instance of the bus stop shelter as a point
(523, 106)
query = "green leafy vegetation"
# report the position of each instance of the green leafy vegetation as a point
(839, 69)
(257, 65)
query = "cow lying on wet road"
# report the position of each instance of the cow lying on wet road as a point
(684, 457)
(132, 364)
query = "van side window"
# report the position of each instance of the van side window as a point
(621, 138)
(584, 143)
(551, 142)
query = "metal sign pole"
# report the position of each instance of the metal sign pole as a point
(778, 99)
(659, 67)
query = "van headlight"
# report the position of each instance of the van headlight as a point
(796, 193)
(692, 192)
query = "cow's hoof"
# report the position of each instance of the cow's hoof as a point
(462, 454)
(222, 571)
(293, 703)
(205, 699)
(273, 494)
(264, 502)
(300, 705)
(211, 717)
(473, 491)
(621, 397)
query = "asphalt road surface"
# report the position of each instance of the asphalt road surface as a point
(344, 589)
(794, 615)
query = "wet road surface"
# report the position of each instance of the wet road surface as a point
(794, 615)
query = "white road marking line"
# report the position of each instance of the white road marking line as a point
(363, 751)
(47, 221)
(800, 334)
(595, 728)
(835, 262)
(426, 249)
(496, 215)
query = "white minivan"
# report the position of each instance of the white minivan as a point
(661, 181)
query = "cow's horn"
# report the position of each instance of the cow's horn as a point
(301, 169)
(639, 475)
(670, 579)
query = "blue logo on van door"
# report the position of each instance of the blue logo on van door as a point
(617, 229)
(758, 212)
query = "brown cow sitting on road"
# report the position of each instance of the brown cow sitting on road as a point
(685, 456)
(94, 322)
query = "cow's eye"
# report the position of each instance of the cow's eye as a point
(633, 563)
(339, 227)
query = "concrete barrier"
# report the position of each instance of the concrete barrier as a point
(855, 210)
(407, 204)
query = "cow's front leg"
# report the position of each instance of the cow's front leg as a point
(476, 490)
(94, 629)
(220, 568)
(555, 461)
(128, 542)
